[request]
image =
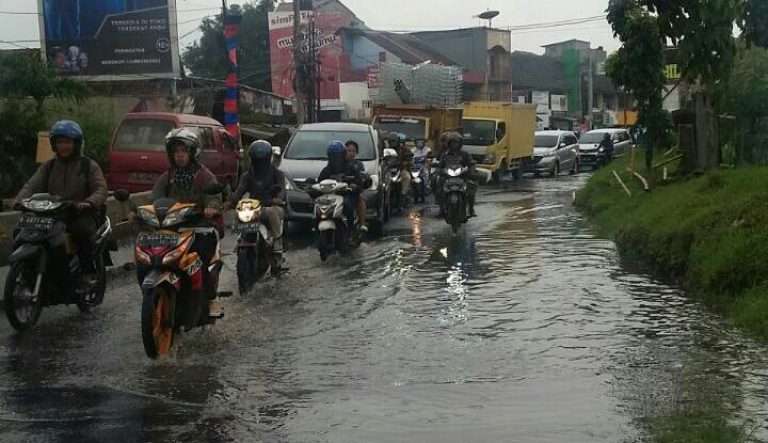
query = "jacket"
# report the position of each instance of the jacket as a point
(361, 179)
(164, 188)
(76, 178)
(261, 188)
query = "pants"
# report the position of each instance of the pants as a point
(205, 245)
(82, 228)
(274, 218)
(471, 194)
(362, 210)
(405, 181)
(350, 205)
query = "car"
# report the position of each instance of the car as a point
(554, 151)
(305, 156)
(590, 153)
(137, 154)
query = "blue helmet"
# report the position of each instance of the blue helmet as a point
(402, 137)
(336, 147)
(66, 129)
(260, 150)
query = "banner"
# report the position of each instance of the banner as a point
(110, 38)
(327, 42)
(231, 112)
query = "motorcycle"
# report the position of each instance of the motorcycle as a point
(254, 246)
(336, 231)
(170, 274)
(420, 180)
(454, 195)
(44, 266)
(392, 165)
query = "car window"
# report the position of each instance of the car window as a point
(570, 140)
(501, 131)
(546, 141)
(142, 135)
(205, 134)
(313, 145)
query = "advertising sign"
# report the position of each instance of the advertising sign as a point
(559, 103)
(110, 39)
(327, 43)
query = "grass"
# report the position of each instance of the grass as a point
(707, 233)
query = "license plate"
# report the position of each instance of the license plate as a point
(246, 228)
(158, 240)
(144, 176)
(30, 221)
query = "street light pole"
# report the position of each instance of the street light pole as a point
(298, 64)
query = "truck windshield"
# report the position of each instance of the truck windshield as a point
(479, 132)
(142, 135)
(411, 127)
(313, 145)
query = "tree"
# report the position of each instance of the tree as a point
(701, 30)
(755, 23)
(23, 76)
(207, 57)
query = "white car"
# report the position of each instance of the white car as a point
(590, 153)
(553, 152)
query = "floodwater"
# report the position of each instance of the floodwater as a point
(524, 327)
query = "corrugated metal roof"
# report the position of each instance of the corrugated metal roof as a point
(410, 50)
(532, 71)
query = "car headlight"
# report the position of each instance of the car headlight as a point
(489, 159)
(149, 217)
(601, 150)
(176, 217)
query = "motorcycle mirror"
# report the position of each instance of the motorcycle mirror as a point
(213, 188)
(122, 195)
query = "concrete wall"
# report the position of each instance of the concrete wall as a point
(467, 47)
(353, 95)
(116, 211)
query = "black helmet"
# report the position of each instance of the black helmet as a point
(184, 137)
(444, 137)
(393, 139)
(66, 129)
(455, 140)
(260, 155)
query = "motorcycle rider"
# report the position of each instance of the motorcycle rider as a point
(185, 181)
(353, 149)
(72, 176)
(455, 155)
(607, 145)
(442, 149)
(396, 141)
(340, 169)
(266, 183)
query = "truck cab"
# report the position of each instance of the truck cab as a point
(417, 121)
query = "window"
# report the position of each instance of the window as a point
(205, 134)
(501, 131)
(229, 142)
(142, 135)
(570, 140)
(313, 145)
(546, 141)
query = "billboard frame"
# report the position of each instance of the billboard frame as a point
(175, 52)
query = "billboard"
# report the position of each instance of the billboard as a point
(110, 39)
(327, 42)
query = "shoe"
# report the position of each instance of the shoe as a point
(214, 308)
(86, 284)
(363, 228)
(472, 214)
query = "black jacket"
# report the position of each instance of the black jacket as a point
(263, 188)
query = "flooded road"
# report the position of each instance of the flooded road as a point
(522, 328)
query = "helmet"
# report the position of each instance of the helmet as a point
(66, 129)
(455, 140)
(607, 136)
(393, 139)
(444, 137)
(402, 138)
(185, 137)
(260, 150)
(420, 143)
(336, 147)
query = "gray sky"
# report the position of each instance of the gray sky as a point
(398, 15)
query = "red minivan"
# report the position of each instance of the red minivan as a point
(137, 154)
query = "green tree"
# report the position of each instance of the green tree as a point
(207, 57)
(755, 23)
(23, 76)
(703, 33)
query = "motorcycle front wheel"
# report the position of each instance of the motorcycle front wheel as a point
(22, 311)
(157, 309)
(325, 246)
(95, 298)
(246, 269)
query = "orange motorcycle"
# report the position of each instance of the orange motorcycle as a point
(170, 270)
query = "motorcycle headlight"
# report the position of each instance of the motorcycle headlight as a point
(176, 217)
(149, 217)
(489, 159)
(247, 215)
(454, 172)
(41, 205)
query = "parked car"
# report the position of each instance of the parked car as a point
(554, 151)
(305, 156)
(137, 154)
(590, 154)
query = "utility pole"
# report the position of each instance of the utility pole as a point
(309, 70)
(298, 62)
(590, 89)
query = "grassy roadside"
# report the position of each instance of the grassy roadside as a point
(709, 233)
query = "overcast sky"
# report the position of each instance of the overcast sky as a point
(396, 15)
